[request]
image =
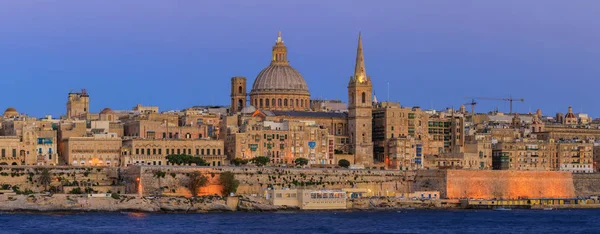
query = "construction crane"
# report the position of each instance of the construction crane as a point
(509, 99)
(472, 104)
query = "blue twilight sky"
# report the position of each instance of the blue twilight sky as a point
(180, 53)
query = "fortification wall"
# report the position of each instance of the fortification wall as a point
(254, 180)
(509, 184)
(587, 184)
(27, 177)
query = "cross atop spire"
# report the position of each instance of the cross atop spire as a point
(360, 75)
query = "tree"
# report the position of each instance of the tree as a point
(344, 163)
(182, 159)
(230, 184)
(45, 179)
(239, 161)
(196, 181)
(301, 161)
(260, 161)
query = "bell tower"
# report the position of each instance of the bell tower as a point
(238, 94)
(360, 108)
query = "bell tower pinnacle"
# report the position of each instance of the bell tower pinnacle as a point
(360, 107)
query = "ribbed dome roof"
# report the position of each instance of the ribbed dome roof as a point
(279, 78)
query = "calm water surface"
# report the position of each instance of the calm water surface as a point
(410, 221)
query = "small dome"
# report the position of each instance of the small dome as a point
(10, 112)
(283, 78)
(248, 109)
(107, 111)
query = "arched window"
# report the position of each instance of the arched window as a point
(297, 102)
(240, 90)
(284, 102)
(291, 102)
(279, 102)
(267, 102)
(273, 102)
(255, 102)
(302, 103)
(363, 97)
(351, 98)
(261, 103)
(240, 104)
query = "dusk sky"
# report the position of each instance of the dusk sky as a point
(177, 54)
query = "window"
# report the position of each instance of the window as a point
(213, 152)
(273, 101)
(279, 102)
(154, 151)
(167, 151)
(189, 151)
(39, 150)
(142, 151)
(261, 103)
(178, 151)
(202, 151)
(267, 102)
(148, 152)
(240, 90)
(219, 152)
(159, 152)
(285, 102)
(137, 151)
(197, 151)
(363, 97)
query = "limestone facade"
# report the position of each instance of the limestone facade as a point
(78, 105)
(154, 151)
(97, 150)
(283, 142)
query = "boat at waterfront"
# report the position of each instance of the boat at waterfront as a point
(502, 209)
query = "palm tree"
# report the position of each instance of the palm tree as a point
(45, 178)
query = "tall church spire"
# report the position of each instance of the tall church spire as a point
(360, 75)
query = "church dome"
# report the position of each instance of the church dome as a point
(280, 77)
(107, 111)
(10, 112)
(248, 109)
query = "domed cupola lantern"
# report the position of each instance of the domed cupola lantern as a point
(279, 86)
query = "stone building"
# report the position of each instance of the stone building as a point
(533, 155)
(525, 155)
(148, 129)
(403, 153)
(97, 150)
(154, 151)
(78, 105)
(11, 152)
(446, 134)
(390, 122)
(282, 142)
(576, 157)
